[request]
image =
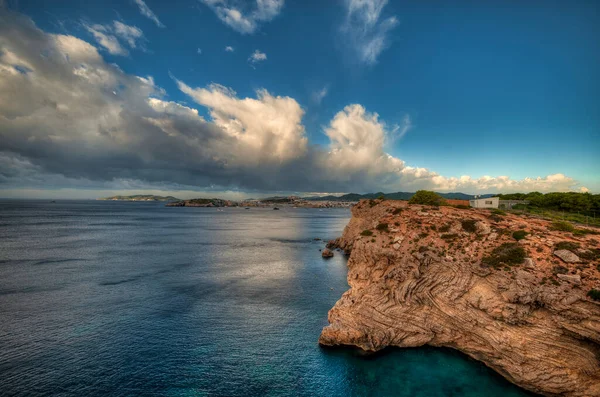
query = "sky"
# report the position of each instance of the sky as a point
(252, 98)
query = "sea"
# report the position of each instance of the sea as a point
(102, 298)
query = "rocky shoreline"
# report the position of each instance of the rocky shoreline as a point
(512, 292)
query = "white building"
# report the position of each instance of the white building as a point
(490, 202)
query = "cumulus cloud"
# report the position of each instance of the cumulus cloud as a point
(229, 49)
(147, 12)
(365, 30)
(108, 36)
(70, 119)
(242, 17)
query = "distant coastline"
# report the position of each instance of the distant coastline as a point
(140, 197)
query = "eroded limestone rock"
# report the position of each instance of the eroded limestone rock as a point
(541, 335)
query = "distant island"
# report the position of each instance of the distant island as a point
(140, 197)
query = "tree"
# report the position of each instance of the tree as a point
(426, 197)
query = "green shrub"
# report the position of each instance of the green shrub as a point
(469, 225)
(594, 294)
(498, 212)
(423, 235)
(566, 245)
(506, 254)
(397, 211)
(462, 207)
(433, 227)
(519, 234)
(583, 232)
(372, 203)
(382, 227)
(445, 228)
(426, 197)
(590, 254)
(381, 197)
(366, 233)
(495, 218)
(563, 226)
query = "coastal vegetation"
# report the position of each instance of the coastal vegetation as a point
(594, 294)
(519, 235)
(426, 197)
(468, 225)
(506, 254)
(383, 227)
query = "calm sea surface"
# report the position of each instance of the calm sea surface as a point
(124, 299)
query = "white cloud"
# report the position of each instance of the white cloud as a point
(147, 12)
(268, 127)
(108, 36)
(257, 56)
(229, 49)
(105, 39)
(401, 129)
(364, 29)
(199, 51)
(319, 95)
(131, 34)
(74, 120)
(244, 18)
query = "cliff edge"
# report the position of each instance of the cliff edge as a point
(463, 278)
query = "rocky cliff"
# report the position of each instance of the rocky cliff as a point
(464, 279)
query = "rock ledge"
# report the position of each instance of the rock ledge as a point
(424, 282)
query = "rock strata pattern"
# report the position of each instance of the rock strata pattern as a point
(427, 280)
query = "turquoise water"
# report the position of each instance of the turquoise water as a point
(113, 298)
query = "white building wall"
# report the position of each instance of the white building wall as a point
(491, 202)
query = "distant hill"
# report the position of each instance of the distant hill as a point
(141, 197)
(393, 196)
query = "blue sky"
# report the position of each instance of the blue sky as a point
(495, 88)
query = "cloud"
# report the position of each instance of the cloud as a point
(318, 96)
(401, 129)
(257, 56)
(72, 120)
(243, 18)
(105, 39)
(131, 34)
(364, 29)
(147, 12)
(229, 49)
(108, 36)
(199, 51)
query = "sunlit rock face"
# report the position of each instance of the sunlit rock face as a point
(425, 279)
